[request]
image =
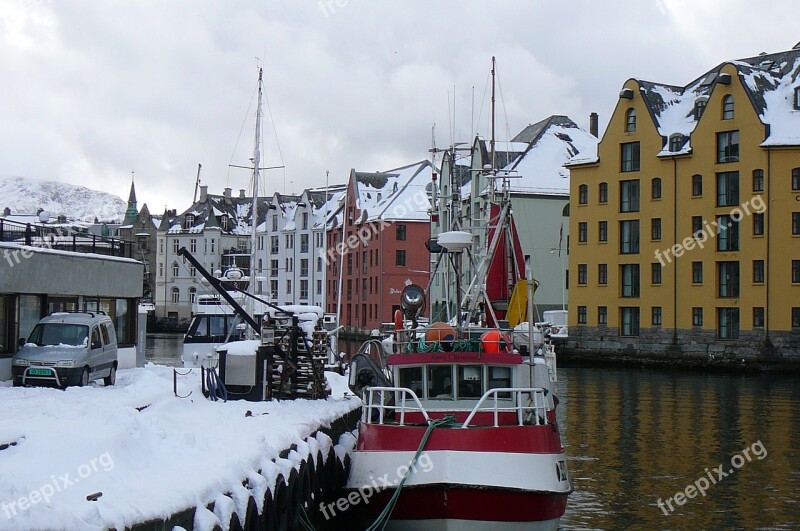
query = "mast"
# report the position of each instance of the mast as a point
(197, 183)
(254, 213)
(491, 142)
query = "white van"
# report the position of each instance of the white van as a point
(67, 348)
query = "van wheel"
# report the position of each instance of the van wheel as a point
(85, 377)
(112, 376)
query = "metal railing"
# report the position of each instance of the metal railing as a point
(529, 404)
(63, 238)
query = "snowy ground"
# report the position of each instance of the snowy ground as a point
(149, 453)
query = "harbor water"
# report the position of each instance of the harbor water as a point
(717, 450)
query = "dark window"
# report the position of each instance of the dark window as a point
(581, 314)
(697, 316)
(795, 179)
(629, 318)
(630, 121)
(795, 317)
(629, 273)
(728, 188)
(400, 233)
(728, 279)
(602, 274)
(797, 99)
(697, 272)
(582, 232)
(630, 156)
(758, 317)
(697, 226)
(304, 241)
(758, 224)
(603, 193)
(728, 327)
(629, 237)
(656, 315)
(727, 107)
(400, 258)
(699, 107)
(676, 142)
(728, 237)
(583, 194)
(758, 180)
(795, 271)
(582, 274)
(602, 231)
(728, 146)
(796, 223)
(602, 315)
(697, 185)
(655, 229)
(655, 270)
(656, 188)
(565, 211)
(758, 271)
(629, 196)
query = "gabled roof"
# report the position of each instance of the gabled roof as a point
(768, 79)
(208, 214)
(399, 194)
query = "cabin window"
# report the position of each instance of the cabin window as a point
(411, 378)
(440, 382)
(499, 377)
(470, 381)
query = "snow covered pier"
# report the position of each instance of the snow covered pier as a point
(135, 456)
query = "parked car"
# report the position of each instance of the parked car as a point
(67, 348)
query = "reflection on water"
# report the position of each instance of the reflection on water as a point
(164, 349)
(636, 436)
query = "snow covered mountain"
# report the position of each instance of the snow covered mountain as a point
(26, 196)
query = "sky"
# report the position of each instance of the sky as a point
(92, 91)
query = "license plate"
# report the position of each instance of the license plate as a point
(40, 372)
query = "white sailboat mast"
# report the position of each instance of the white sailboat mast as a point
(254, 213)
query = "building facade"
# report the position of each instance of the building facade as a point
(686, 225)
(376, 244)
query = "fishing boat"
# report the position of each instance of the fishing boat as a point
(459, 427)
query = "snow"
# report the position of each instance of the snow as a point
(402, 197)
(148, 452)
(45, 250)
(25, 196)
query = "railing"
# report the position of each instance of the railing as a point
(534, 412)
(62, 238)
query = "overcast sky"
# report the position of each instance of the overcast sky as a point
(92, 90)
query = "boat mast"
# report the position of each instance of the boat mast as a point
(256, 160)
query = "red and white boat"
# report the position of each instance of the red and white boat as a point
(497, 462)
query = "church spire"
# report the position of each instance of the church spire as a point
(132, 211)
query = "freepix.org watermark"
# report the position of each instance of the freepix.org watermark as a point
(328, 7)
(365, 232)
(57, 484)
(365, 492)
(712, 477)
(712, 229)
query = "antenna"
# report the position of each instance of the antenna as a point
(197, 183)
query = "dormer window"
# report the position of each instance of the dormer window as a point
(676, 142)
(188, 222)
(630, 121)
(797, 98)
(699, 107)
(727, 107)
(223, 222)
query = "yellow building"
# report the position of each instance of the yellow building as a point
(685, 229)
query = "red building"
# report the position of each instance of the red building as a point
(378, 238)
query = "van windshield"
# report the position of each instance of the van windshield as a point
(48, 334)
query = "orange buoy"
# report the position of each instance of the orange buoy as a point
(441, 332)
(495, 342)
(398, 320)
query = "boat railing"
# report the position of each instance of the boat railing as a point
(529, 404)
(536, 404)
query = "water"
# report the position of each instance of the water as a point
(634, 436)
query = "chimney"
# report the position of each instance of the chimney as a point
(6, 211)
(241, 193)
(203, 193)
(593, 124)
(227, 193)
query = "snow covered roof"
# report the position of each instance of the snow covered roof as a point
(397, 195)
(213, 209)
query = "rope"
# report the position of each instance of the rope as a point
(383, 517)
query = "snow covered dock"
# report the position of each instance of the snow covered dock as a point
(117, 457)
